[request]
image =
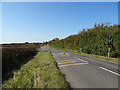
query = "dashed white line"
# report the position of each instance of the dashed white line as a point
(109, 71)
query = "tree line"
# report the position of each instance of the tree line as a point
(93, 40)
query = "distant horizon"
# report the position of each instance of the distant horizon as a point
(43, 41)
(44, 21)
(19, 42)
(46, 40)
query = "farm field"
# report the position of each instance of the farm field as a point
(13, 56)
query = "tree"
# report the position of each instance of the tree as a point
(92, 41)
(55, 39)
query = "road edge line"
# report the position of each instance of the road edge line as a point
(109, 71)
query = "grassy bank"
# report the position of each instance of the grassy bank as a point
(14, 56)
(40, 72)
(115, 60)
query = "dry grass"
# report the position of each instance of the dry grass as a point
(40, 72)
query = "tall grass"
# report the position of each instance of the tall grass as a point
(40, 72)
(13, 56)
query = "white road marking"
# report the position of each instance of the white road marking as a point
(81, 60)
(109, 71)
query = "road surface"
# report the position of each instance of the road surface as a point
(85, 72)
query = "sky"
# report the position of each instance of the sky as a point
(60, 0)
(43, 21)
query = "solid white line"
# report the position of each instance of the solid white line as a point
(109, 71)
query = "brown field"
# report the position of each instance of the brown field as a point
(13, 56)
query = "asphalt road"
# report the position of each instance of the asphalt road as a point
(86, 72)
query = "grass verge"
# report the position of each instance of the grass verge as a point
(115, 60)
(40, 72)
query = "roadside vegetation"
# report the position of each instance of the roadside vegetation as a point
(40, 72)
(93, 41)
(115, 60)
(13, 56)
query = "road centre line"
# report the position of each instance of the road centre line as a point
(72, 64)
(109, 71)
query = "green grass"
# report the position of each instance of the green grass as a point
(40, 72)
(115, 60)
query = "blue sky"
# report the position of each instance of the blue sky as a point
(39, 21)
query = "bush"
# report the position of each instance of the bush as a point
(93, 40)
